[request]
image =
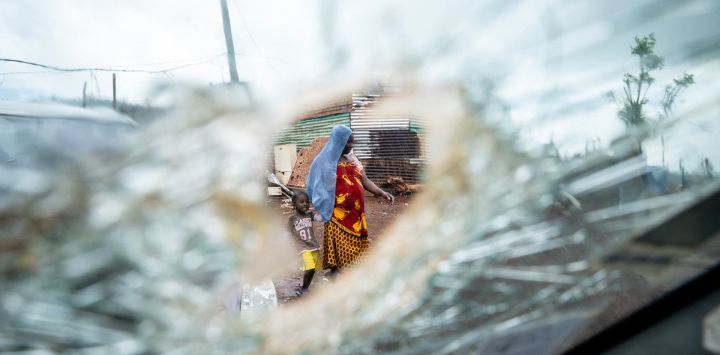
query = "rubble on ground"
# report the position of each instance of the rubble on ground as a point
(397, 186)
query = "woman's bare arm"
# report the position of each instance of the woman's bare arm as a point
(370, 186)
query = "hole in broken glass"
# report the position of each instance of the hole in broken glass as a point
(390, 149)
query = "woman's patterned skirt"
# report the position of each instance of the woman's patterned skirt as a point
(340, 248)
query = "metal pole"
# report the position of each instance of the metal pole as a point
(84, 102)
(114, 93)
(229, 42)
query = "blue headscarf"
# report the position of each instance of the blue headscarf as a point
(321, 178)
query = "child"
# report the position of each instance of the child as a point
(300, 225)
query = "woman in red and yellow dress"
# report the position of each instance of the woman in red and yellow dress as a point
(346, 235)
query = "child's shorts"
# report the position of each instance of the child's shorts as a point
(311, 260)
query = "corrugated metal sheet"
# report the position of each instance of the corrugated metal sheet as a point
(332, 108)
(302, 132)
(387, 145)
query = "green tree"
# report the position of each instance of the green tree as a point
(672, 91)
(636, 86)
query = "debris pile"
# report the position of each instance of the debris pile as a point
(397, 186)
(304, 159)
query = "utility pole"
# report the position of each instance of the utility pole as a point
(114, 93)
(84, 102)
(229, 42)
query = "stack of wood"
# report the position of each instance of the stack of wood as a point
(304, 159)
(397, 186)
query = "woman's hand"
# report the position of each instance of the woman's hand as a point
(388, 196)
(370, 186)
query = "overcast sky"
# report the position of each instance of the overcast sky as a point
(271, 38)
(551, 61)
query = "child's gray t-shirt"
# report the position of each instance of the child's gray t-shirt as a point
(302, 229)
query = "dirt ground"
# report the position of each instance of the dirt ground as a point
(380, 214)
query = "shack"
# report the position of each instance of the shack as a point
(388, 146)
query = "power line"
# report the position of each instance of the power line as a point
(30, 72)
(103, 69)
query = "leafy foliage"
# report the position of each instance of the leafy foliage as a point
(636, 86)
(673, 90)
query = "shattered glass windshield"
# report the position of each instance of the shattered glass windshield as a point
(566, 143)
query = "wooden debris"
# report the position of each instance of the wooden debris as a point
(397, 186)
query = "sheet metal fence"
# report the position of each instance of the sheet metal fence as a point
(302, 132)
(387, 145)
